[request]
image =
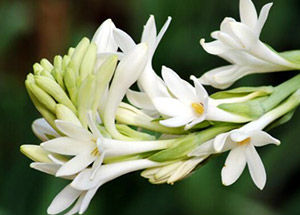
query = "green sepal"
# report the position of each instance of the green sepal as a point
(292, 56)
(186, 144)
(129, 132)
(243, 91)
(250, 109)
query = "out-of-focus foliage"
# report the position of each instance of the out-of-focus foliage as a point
(22, 37)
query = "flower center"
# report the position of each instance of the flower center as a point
(198, 108)
(245, 141)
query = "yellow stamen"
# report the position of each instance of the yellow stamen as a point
(245, 141)
(198, 108)
(95, 152)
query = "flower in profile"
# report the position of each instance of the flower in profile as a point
(149, 82)
(239, 44)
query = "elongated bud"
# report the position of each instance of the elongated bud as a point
(35, 153)
(88, 62)
(46, 65)
(86, 98)
(79, 53)
(70, 82)
(53, 89)
(103, 77)
(128, 71)
(65, 114)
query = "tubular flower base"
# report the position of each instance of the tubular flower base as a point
(90, 135)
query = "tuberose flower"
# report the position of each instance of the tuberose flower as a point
(239, 44)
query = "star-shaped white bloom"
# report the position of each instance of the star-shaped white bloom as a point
(187, 106)
(239, 44)
(241, 143)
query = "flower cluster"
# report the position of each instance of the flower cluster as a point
(90, 135)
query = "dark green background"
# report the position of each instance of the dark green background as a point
(31, 29)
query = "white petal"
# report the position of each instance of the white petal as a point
(248, 13)
(92, 125)
(77, 205)
(195, 122)
(63, 200)
(72, 130)
(87, 199)
(176, 121)
(256, 167)
(67, 146)
(247, 36)
(216, 47)
(124, 41)
(228, 40)
(140, 100)
(172, 107)
(149, 32)
(238, 136)
(178, 87)
(76, 164)
(49, 168)
(262, 138)
(41, 129)
(162, 32)
(220, 141)
(201, 93)
(234, 166)
(104, 37)
(127, 72)
(109, 172)
(263, 15)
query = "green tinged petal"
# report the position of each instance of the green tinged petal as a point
(243, 91)
(88, 62)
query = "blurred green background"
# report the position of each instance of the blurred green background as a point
(32, 29)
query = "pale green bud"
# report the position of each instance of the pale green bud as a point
(70, 83)
(103, 77)
(35, 153)
(37, 69)
(86, 98)
(46, 65)
(88, 62)
(57, 74)
(54, 90)
(65, 114)
(42, 97)
(65, 63)
(79, 53)
(71, 51)
(134, 134)
(58, 62)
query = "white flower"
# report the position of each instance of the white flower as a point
(91, 147)
(241, 143)
(187, 106)
(149, 82)
(239, 44)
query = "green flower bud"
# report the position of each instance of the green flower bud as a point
(65, 114)
(88, 62)
(35, 153)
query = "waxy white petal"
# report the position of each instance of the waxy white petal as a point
(73, 130)
(263, 15)
(215, 47)
(248, 13)
(67, 146)
(49, 168)
(104, 37)
(124, 41)
(176, 121)
(76, 164)
(87, 199)
(234, 166)
(178, 87)
(262, 138)
(149, 32)
(63, 200)
(171, 107)
(256, 167)
(41, 129)
(140, 100)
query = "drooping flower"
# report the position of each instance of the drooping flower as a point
(239, 44)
